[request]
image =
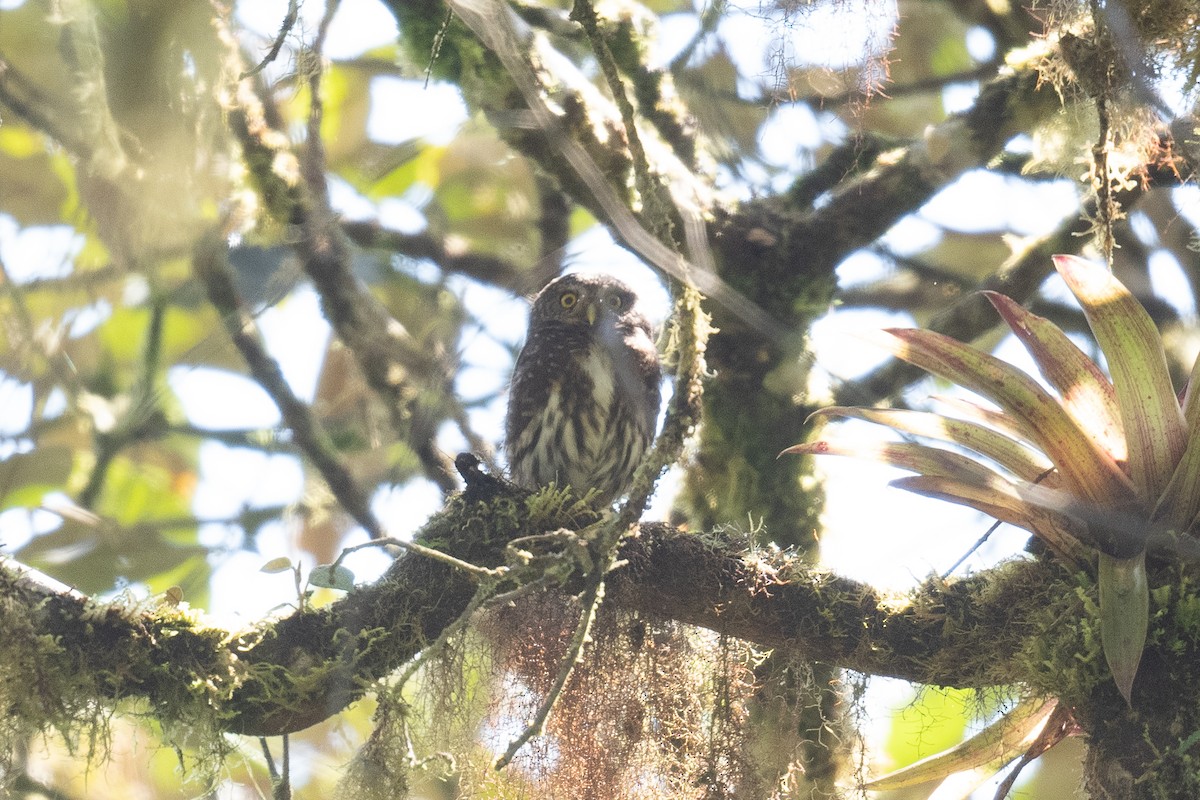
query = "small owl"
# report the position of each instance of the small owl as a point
(585, 391)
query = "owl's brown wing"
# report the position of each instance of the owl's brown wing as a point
(537, 370)
(640, 367)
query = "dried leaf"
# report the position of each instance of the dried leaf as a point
(997, 744)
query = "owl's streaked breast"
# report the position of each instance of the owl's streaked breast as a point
(594, 444)
(585, 393)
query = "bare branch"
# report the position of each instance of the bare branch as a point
(213, 270)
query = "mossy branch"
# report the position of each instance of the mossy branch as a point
(287, 674)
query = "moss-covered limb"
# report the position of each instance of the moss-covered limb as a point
(1024, 622)
(967, 634)
(755, 402)
(63, 651)
(311, 664)
(863, 207)
(291, 673)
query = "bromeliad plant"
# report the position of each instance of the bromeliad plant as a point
(1099, 472)
(1101, 467)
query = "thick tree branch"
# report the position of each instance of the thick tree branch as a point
(290, 673)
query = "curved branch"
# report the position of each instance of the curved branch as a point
(389, 359)
(290, 673)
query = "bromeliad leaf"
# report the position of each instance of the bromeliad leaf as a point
(1085, 466)
(1179, 504)
(988, 417)
(1014, 456)
(1006, 502)
(918, 458)
(1154, 426)
(1086, 392)
(1124, 616)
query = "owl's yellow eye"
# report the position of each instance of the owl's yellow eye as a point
(568, 300)
(617, 302)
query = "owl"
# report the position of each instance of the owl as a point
(584, 398)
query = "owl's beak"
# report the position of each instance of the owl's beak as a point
(592, 311)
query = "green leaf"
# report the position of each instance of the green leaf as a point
(34, 194)
(1005, 451)
(1154, 427)
(994, 746)
(1084, 465)
(1124, 616)
(328, 576)
(276, 565)
(91, 553)
(25, 478)
(1086, 392)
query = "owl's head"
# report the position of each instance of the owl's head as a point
(588, 301)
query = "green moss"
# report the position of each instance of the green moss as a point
(426, 27)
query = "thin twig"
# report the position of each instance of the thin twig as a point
(591, 604)
(289, 22)
(360, 321)
(1106, 206)
(484, 573)
(30, 109)
(652, 193)
(709, 18)
(436, 49)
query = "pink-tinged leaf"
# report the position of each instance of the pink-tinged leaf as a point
(1001, 742)
(1179, 503)
(1155, 431)
(1006, 503)
(989, 418)
(1124, 616)
(1014, 456)
(1191, 399)
(919, 458)
(1086, 392)
(1087, 468)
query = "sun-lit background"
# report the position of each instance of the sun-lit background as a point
(873, 533)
